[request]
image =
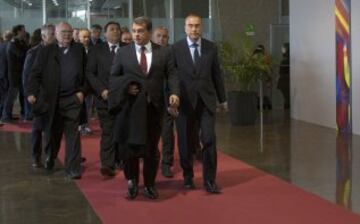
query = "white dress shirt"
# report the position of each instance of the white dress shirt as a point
(148, 54)
(117, 46)
(192, 48)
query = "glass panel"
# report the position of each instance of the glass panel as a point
(182, 8)
(13, 12)
(157, 10)
(73, 12)
(102, 12)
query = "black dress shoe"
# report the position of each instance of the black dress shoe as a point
(73, 175)
(189, 183)
(107, 171)
(211, 187)
(151, 192)
(166, 171)
(132, 189)
(49, 164)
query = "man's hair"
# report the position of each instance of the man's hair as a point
(16, 29)
(111, 23)
(35, 38)
(162, 28)
(193, 15)
(45, 28)
(143, 21)
(96, 27)
(84, 29)
(8, 35)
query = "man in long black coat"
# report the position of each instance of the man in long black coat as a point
(57, 87)
(145, 66)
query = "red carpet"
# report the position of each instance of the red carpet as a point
(249, 196)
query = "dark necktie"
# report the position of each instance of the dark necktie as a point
(143, 62)
(196, 53)
(112, 51)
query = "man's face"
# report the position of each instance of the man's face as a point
(64, 34)
(161, 37)
(49, 37)
(126, 38)
(84, 38)
(95, 33)
(193, 27)
(141, 35)
(76, 35)
(113, 33)
(22, 33)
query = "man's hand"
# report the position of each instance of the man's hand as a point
(133, 89)
(174, 101)
(173, 111)
(104, 94)
(31, 99)
(224, 107)
(80, 97)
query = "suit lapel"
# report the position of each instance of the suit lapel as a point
(203, 56)
(155, 57)
(187, 53)
(134, 61)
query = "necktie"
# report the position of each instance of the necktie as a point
(143, 63)
(112, 51)
(196, 53)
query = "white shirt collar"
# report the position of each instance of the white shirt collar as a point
(147, 46)
(110, 44)
(190, 42)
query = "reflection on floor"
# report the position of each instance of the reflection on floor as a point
(307, 155)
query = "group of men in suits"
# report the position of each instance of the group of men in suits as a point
(134, 86)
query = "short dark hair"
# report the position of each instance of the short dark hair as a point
(35, 38)
(193, 15)
(111, 23)
(96, 27)
(16, 29)
(142, 20)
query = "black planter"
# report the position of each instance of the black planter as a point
(242, 107)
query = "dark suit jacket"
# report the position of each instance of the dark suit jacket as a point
(204, 80)
(161, 69)
(44, 79)
(16, 53)
(29, 61)
(98, 70)
(4, 82)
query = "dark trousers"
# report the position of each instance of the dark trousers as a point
(66, 121)
(107, 149)
(188, 117)
(10, 100)
(152, 157)
(3, 93)
(38, 126)
(168, 139)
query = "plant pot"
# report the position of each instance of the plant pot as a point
(242, 107)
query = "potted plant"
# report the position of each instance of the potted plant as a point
(244, 66)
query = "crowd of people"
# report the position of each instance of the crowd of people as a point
(139, 85)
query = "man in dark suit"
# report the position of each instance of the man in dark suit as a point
(57, 87)
(98, 72)
(16, 53)
(47, 37)
(201, 82)
(145, 66)
(4, 81)
(95, 35)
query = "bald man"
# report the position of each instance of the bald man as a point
(56, 89)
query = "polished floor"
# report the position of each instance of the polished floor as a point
(306, 155)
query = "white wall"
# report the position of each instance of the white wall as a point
(312, 35)
(312, 47)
